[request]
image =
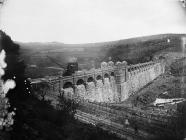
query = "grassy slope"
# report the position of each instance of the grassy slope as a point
(133, 50)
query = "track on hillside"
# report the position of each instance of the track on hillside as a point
(113, 119)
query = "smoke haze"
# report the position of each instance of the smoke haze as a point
(85, 21)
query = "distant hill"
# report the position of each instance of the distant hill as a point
(133, 50)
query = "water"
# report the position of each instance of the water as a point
(81, 91)
(113, 88)
(107, 91)
(99, 91)
(91, 89)
(68, 92)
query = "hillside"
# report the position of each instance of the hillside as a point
(132, 50)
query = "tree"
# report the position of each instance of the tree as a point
(66, 107)
(43, 89)
(15, 70)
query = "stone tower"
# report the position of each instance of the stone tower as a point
(121, 76)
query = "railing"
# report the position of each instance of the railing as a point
(114, 127)
(145, 121)
(133, 112)
(109, 68)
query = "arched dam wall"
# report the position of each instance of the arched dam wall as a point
(110, 83)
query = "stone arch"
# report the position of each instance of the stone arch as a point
(90, 79)
(110, 63)
(68, 85)
(129, 69)
(118, 63)
(124, 63)
(104, 65)
(80, 82)
(132, 69)
(99, 77)
(106, 75)
(112, 74)
(138, 69)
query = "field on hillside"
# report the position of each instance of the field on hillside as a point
(90, 55)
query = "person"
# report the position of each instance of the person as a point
(136, 128)
(127, 123)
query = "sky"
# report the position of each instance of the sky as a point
(84, 21)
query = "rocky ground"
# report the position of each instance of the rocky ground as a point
(172, 84)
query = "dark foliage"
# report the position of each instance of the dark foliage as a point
(15, 70)
(66, 107)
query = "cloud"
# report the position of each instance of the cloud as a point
(83, 21)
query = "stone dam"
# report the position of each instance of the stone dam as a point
(110, 83)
